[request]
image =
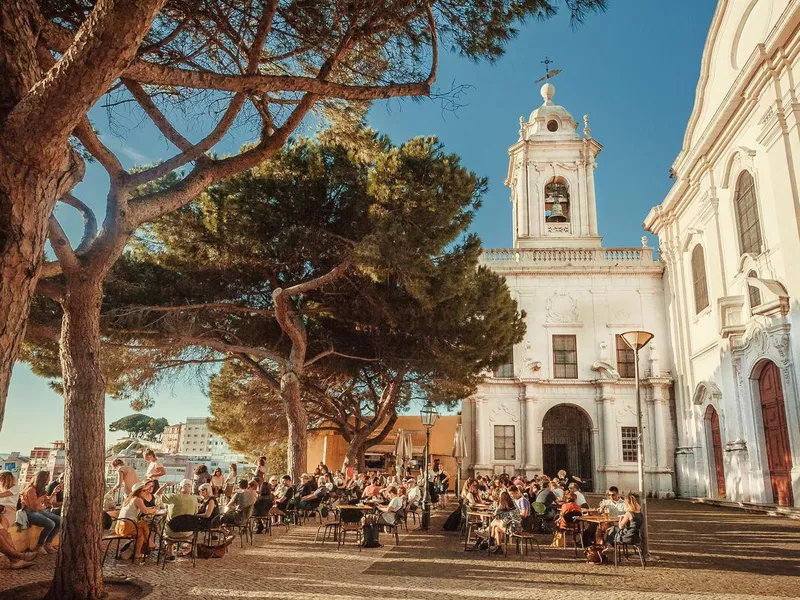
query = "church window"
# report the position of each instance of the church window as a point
(699, 279)
(753, 292)
(747, 214)
(504, 442)
(565, 357)
(556, 201)
(506, 370)
(552, 125)
(630, 444)
(626, 365)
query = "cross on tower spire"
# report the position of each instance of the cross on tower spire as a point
(548, 74)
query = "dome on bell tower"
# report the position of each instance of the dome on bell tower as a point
(551, 118)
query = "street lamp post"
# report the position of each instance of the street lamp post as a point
(637, 340)
(428, 414)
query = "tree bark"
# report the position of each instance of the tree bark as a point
(79, 572)
(297, 422)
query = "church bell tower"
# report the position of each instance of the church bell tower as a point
(551, 176)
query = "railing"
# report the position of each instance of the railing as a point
(565, 257)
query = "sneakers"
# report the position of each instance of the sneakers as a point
(21, 564)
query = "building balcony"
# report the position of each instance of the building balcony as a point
(570, 259)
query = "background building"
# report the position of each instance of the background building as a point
(729, 231)
(171, 438)
(566, 398)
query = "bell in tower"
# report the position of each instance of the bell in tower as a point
(556, 202)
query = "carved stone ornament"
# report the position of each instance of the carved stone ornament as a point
(499, 410)
(761, 340)
(781, 342)
(528, 358)
(561, 308)
(603, 354)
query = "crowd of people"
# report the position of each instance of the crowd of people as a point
(547, 505)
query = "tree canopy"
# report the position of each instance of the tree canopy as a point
(140, 426)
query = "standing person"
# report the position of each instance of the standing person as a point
(35, 503)
(442, 482)
(231, 480)
(260, 474)
(154, 468)
(201, 476)
(132, 507)
(217, 482)
(126, 476)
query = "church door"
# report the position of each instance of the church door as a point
(716, 445)
(567, 443)
(776, 434)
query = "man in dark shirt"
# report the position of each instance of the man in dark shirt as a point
(548, 498)
(284, 493)
(51, 488)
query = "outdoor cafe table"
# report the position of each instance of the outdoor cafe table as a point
(598, 520)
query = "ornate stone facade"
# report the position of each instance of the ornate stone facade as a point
(736, 204)
(573, 409)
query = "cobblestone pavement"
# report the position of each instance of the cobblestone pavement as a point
(703, 552)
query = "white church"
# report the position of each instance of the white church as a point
(720, 402)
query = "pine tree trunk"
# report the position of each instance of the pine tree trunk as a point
(79, 573)
(297, 421)
(355, 451)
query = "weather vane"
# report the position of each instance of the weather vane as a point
(548, 74)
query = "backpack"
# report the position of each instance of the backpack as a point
(453, 522)
(594, 556)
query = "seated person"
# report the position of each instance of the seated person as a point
(283, 493)
(312, 499)
(306, 486)
(580, 499)
(548, 498)
(58, 496)
(264, 502)
(181, 503)
(130, 523)
(555, 487)
(523, 504)
(237, 508)
(388, 513)
(507, 520)
(373, 490)
(9, 493)
(149, 493)
(629, 527)
(414, 494)
(208, 508)
(613, 504)
(569, 510)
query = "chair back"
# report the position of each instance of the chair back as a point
(183, 523)
(539, 508)
(569, 518)
(350, 516)
(528, 523)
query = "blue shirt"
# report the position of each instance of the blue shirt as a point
(523, 505)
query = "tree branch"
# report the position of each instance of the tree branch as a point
(89, 221)
(61, 246)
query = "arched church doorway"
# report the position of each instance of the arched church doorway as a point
(567, 442)
(776, 433)
(714, 441)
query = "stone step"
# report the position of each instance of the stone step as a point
(753, 507)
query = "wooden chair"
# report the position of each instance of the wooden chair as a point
(571, 527)
(112, 537)
(525, 537)
(412, 511)
(349, 520)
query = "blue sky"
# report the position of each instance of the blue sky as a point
(633, 69)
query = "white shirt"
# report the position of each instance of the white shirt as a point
(395, 504)
(559, 493)
(615, 509)
(10, 502)
(580, 499)
(152, 466)
(414, 495)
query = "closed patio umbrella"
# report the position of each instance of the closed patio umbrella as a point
(459, 453)
(399, 454)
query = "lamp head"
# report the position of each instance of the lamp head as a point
(428, 415)
(637, 340)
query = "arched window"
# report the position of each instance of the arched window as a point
(699, 279)
(556, 201)
(747, 217)
(753, 292)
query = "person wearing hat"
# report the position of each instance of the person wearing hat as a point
(129, 523)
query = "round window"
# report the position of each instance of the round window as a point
(552, 125)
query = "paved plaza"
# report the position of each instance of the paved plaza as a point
(703, 552)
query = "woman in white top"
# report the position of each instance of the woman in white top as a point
(131, 508)
(154, 468)
(9, 494)
(231, 481)
(217, 481)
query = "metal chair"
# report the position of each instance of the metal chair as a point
(349, 520)
(624, 546)
(112, 537)
(571, 526)
(185, 529)
(278, 518)
(241, 525)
